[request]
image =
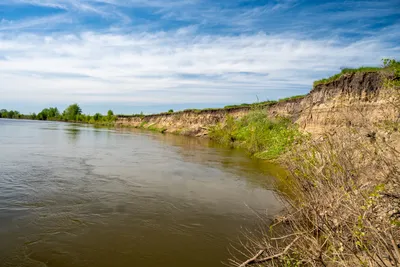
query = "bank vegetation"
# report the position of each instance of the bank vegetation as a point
(341, 196)
(73, 113)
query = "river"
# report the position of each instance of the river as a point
(75, 195)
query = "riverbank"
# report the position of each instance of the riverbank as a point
(356, 99)
(322, 108)
(342, 151)
(342, 194)
(341, 146)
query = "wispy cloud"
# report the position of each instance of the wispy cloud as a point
(39, 23)
(192, 51)
(44, 3)
(176, 64)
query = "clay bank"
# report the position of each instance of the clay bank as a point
(328, 106)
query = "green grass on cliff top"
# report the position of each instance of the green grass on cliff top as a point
(388, 64)
(345, 71)
(257, 105)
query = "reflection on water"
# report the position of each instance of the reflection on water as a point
(74, 195)
(257, 171)
(72, 132)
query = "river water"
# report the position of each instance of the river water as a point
(75, 195)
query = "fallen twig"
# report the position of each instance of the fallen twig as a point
(255, 259)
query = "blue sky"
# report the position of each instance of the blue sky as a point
(153, 55)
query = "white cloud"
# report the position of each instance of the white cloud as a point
(35, 23)
(45, 3)
(221, 53)
(170, 67)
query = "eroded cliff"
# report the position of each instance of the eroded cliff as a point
(356, 99)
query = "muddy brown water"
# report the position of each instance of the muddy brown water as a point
(75, 195)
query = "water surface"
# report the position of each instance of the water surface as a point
(74, 195)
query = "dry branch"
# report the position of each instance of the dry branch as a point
(255, 259)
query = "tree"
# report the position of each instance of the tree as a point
(53, 113)
(16, 115)
(97, 116)
(43, 115)
(11, 114)
(48, 114)
(72, 112)
(3, 113)
(110, 116)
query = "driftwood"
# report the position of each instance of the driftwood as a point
(255, 258)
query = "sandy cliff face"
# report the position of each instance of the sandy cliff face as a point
(357, 99)
(193, 123)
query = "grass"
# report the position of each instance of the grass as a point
(224, 109)
(243, 105)
(291, 98)
(342, 199)
(201, 110)
(342, 209)
(253, 105)
(346, 71)
(142, 124)
(261, 136)
(257, 105)
(388, 65)
(156, 129)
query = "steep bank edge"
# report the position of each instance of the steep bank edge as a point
(327, 106)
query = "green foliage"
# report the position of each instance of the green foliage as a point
(12, 114)
(3, 113)
(291, 98)
(238, 106)
(253, 105)
(110, 117)
(262, 136)
(97, 117)
(387, 64)
(142, 124)
(391, 63)
(345, 71)
(258, 105)
(192, 110)
(72, 112)
(393, 83)
(49, 114)
(156, 129)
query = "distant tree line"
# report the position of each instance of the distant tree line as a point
(73, 113)
(12, 114)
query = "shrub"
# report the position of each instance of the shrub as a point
(343, 207)
(342, 200)
(262, 136)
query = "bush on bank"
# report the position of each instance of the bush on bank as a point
(262, 136)
(342, 198)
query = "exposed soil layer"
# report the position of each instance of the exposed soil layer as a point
(327, 107)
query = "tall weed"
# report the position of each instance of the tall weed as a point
(262, 136)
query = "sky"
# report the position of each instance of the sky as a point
(154, 55)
